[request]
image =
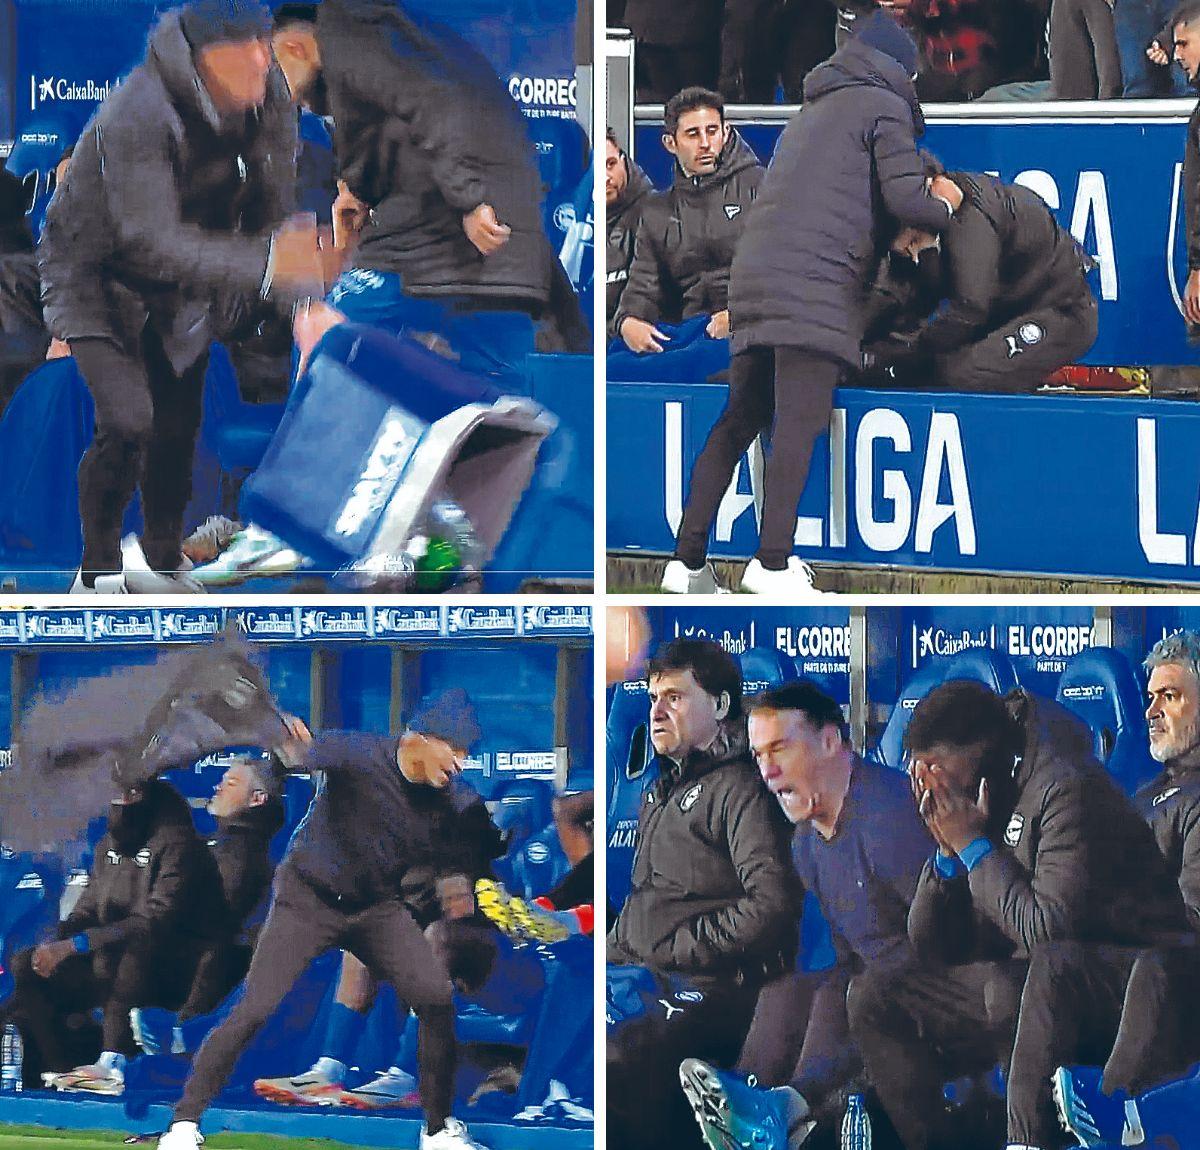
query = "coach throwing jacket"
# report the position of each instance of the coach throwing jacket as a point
(810, 247)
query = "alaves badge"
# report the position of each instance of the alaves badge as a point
(1012, 832)
(691, 798)
(732, 210)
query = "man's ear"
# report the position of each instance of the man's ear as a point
(723, 703)
(669, 142)
(258, 798)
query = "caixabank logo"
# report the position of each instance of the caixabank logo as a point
(123, 626)
(482, 620)
(45, 90)
(407, 621)
(556, 620)
(344, 623)
(186, 626)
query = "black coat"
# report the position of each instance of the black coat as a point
(242, 850)
(1003, 255)
(713, 892)
(164, 892)
(425, 132)
(167, 208)
(674, 22)
(622, 219)
(687, 238)
(1171, 805)
(1191, 189)
(1072, 860)
(844, 164)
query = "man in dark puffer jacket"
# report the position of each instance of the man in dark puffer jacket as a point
(626, 188)
(152, 905)
(687, 235)
(845, 164)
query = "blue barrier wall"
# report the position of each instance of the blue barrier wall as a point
(1115, 183)
(1047, 485)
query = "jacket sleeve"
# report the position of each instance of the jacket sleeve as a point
(142, 201)
(745, 818)
(84, 914)
(901, 176)
(442, 120)
(167, 901)
(272, 159)
(334, 752)
(476, 841)
(941, 925)
(1189, 870)
(1191, 184)
(642, 297)
(974, 282)
(1048, 905)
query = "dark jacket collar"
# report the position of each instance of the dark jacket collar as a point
(736, 156)
(856, 64)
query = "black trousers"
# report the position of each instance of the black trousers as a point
(23, 335)
(147, 417)
(646, 1108)
(221, 967)
(661, 70)
(47, 1010)
(303, 925)
(920, 1026)
(781, 386)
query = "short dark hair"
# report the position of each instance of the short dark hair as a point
(1186, 13)
(802, 695)
(610, 134)
(688, 100)
(710, 664)
(960, 713)
(294, 13)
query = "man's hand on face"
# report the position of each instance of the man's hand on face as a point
(1191, 298)
(484, 230)
(296, 258)
(350, 216)
(955, 818)
(48, 957)
(641, 336)
(718, 326)
(426, 760)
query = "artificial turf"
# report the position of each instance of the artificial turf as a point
(41, 1138)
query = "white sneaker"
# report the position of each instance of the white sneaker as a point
(142, 581)
(680, 579)
(105, 1076)
(181, 1136)
(252, 551)
(394, 1087)
(795, 581)
(105, 585)
(321, 1085)
(452, 1136)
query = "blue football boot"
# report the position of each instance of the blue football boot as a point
(1093, 1117)
(733, 1113)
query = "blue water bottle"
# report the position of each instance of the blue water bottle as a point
(12, 1054)
(856, 1126)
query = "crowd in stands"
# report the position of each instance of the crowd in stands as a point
(759, 51)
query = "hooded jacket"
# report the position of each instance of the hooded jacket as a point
(712, 888)
(1072, 859)
(844, 172)
(153, 882)
(622, 219)
(242, 850)
(424, 133)
(1170, 804)
(687, 237)
(166, 211)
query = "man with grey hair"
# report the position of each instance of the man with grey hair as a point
(1159, 1033)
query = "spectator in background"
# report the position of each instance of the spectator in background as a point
(1186, 42)
(165, 217)
(678, 45)
(1084, 61)
(712, 912)
(152, 907)
(845, 164)
(750, 51)
(626, 189)
(804, 33)
(687, 235)
(1145, 43)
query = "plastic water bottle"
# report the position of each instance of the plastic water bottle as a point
(12, 1055)
(856, 1126)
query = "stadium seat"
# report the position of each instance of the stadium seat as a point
(991, 667)
(629, 773)
(237, 433)
(534, 861)
(763, 668)
(1100, 686)
(28, 902)
(562, 154)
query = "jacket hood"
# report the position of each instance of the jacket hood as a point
(265, 820)
(1051, 731)
(170, 55)
(736, 156)
(162, 810)
(637, 187)
(856, 64)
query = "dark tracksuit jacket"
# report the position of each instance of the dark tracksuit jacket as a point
(1191, 194)
(686, 240)
(711, 894)
(1170, 804)
(622, 219)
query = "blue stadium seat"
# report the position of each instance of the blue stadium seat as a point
(1100, 686)
(991, 667)
(764, 667)
(236, 432)
(29, 891)
(629, 774)
(534, 861)
(561, 146)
